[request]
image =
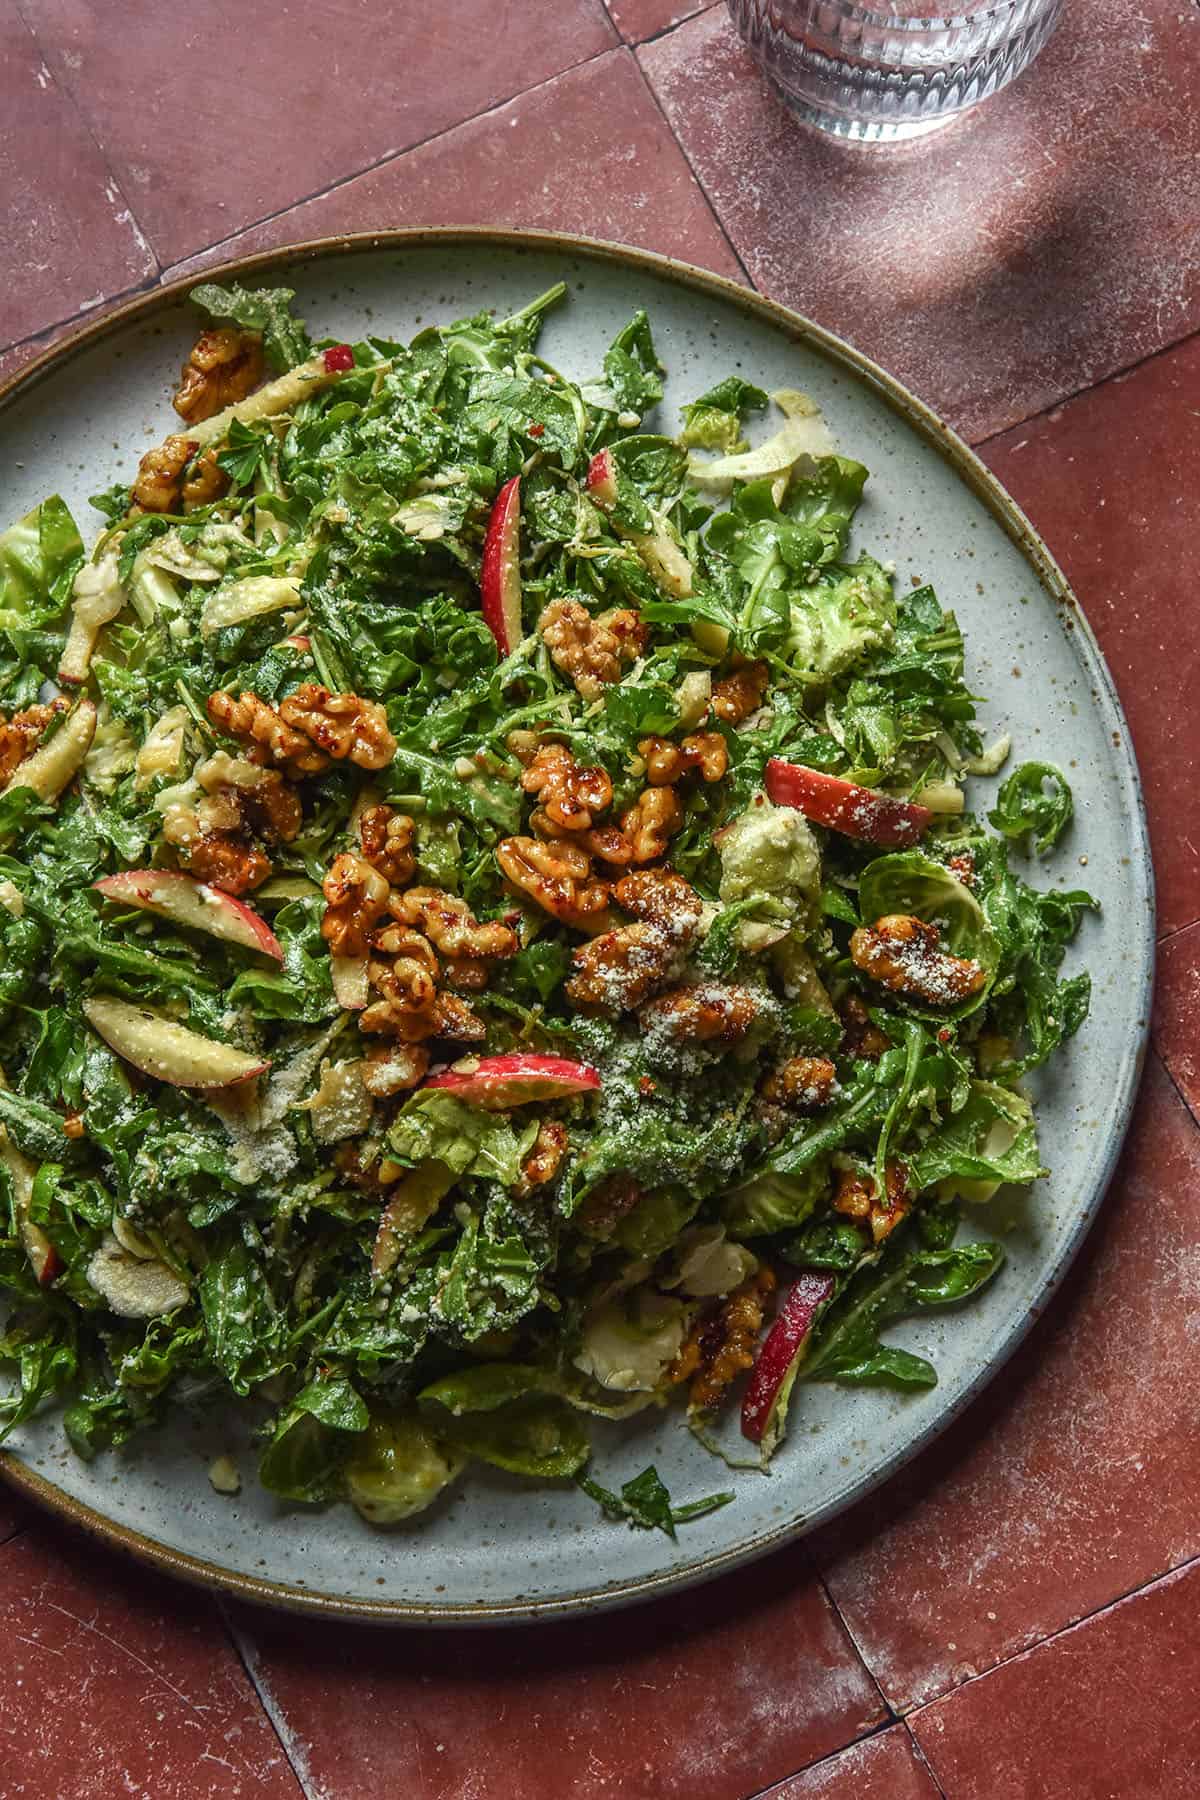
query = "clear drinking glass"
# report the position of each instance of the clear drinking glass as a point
(877, 75)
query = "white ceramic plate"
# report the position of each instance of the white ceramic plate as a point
(499, 1548)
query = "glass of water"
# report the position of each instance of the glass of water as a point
(879, 73)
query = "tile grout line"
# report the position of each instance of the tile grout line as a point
(1189, 335)
(1190, 1564)
(902, 1713)
(102, 153)
(266, 1700)
(393, 156)
(683, 149)
(920, 1756)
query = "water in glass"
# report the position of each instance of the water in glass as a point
(882, 73)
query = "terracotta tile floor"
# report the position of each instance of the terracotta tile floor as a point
(967, 1632)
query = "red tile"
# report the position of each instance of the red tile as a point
(14, 1514)
(884, 1767)
(1177, 1012)
(69, 240)
(113, 1683)
(1074, 1479)
(1104, 1712)
(1044, 241)
(320, 92)
(1108, 480)
(710, 1696)
(588, 152)
(637, 20)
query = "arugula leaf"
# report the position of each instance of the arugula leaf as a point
(911, 1277)
(632, 368)
(269, 310)
(312, 1439)
(1034, 801)
(714, 421)
(645, 1502)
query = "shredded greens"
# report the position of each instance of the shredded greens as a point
(257, 1144)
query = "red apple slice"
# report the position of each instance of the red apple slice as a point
(351, 987)
(44, 1259)
(764, 1408)
(168, 1051)
(498, 1082)
(413, 1203)
(187, 902)
(500, 578)
(658, 548)
(856, 812)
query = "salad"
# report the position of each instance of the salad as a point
(493, 927)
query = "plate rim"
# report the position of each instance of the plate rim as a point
(992, 494)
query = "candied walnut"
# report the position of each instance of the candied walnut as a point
(223, 366)
(73, 1126)
(856, 1198)
(588, 652)
(605, 1207)
(447, 1017)
(803, 1084)
(204, 481)
(740, 694)
(394, 1068)
(255, 723)
(902, 953)
(860, 1037)
(962, 867)
(386, 837)
(570, 793)
(409, 980)
(345, 726)
(662, 898)
(558, 876)
(225, 862)
(650, 824)
(629, 630)
(20, 735)
(449, 923)
(261, 799)
(356, 897)
(666, 762)
(541, 1165)
(158, 485)
(704, 1014)
(721, 1343)
(621, 968)
(465, 974)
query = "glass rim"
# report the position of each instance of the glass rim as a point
(867, 15)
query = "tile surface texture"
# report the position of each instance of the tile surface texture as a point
(1177, 1012)
(69, 238)
(1073, 1479)
(1104, 1712)
(1108, 481)
(322, 91)
(710, 1696)
(884, 1767)
(1042, 242)
(1046, 242)
(115, 1683)
(589, 153)
(637, 20)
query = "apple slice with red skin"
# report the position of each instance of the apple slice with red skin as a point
(785, 1346)
(500, 577)
(657, 548)
(160, 1047)
(187, 902)
(498, 1082)
(44, 1259)
(857, 812)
